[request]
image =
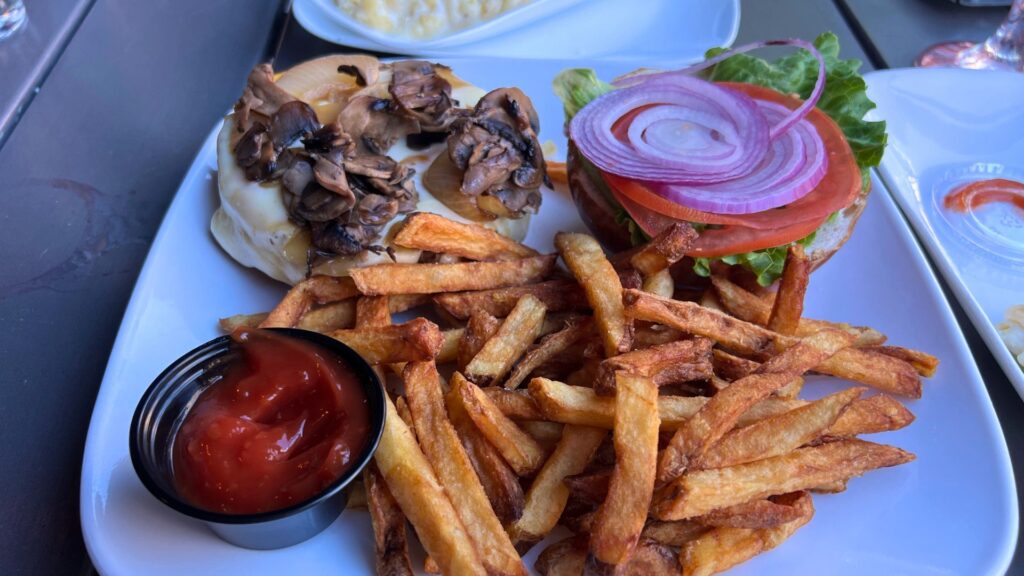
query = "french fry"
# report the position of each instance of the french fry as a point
(660, 283)
(673, 533)
(383, 279)
(451, 464)
(435, 233)
(779, 434)
(585, 375)
(699, 492)
(754, 514)
(591, 487)
(876, 370)
(516, 405)
(356, 496)
(587, 262)
(430, 566)
(581, 406)
(302, 296)
(652, 335)
(372, 311)
(480, 328)
(879, 413)
(546, 499)
(664, 250)
(449, 351)
(569, 558)
(518, 448)
(547, 434)
(499, 481)
(723, 410)
(924, 363)
(390, 541)
(755, 309)
(417, 339)
(418, 493)
(402, 407)
(789, 301)
(330, 317)
(559, 295)
(231, 323)
(671, 363)
(723, 548)
(547, 348)
(791, 390)
(730, 366)
(621, 517)
(514, 336)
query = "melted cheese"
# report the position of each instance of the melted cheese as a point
(252, 225)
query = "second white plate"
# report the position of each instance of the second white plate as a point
(653, 30)
(947, 127)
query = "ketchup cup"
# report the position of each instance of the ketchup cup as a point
(163, 409)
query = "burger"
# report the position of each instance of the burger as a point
(756, 156)
(317, 165)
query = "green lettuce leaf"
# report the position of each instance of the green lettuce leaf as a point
(576, 87)
(844, 99)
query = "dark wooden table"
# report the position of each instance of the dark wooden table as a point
(127, 92)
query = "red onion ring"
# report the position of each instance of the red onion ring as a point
(703, 145)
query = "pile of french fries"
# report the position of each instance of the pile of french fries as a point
(666, 435)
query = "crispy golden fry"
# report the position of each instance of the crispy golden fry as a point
(591, 487)
(699, 492)
(435, 233)
(924, 363)
(330, 317)
(750, 307)
(621, 517)
(232, 323)
(879, 413)
(709, 300)
(372, 311)
(417, 339)
(789, 302)
(791, 390)
(830, 488)
(723, 410)
(480, 328)
(779, 434)
(547, 348)
(498, 479)
(754, 514)
(877, 370)
(629, 278)
(585, 259)
(516, 405)
(583, 407)
(524, 454)
(560, 295)
(652, 335)
(430, 566)
(548, 495)
(664, 250)
(444, 451)
(723, 548)
(664, 364)
(732, 367)
(569, 558)
(417, 491)
(585, 375)
(514, 336)
(547, 434)
(660, 283)
(383, 279)
(389, 534)
(673, 533)
(449, 351)
(302, 296)
(403, 412)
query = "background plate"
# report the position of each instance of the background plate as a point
(948, 126)
(675, 30)
(952, 511)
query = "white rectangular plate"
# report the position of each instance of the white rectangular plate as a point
(947, 127)
(677, 30)
(952, 511)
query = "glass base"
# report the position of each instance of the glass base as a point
(11, 19)
(963, 55)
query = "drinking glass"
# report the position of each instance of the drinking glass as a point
(1003, 50)
(12, 16)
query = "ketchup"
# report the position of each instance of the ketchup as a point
(285, 421)
(976, 194)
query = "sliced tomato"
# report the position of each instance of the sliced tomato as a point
(837, 189)
(724, 241)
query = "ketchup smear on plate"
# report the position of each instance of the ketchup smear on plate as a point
(973, 195)
(284, 422)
